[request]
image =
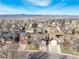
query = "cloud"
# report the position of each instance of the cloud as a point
(65, 11)
(8, 10)
(40, 2)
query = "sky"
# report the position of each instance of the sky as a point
(40, 7)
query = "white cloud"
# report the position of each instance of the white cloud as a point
(40, 2)
(66, 11)
(8, 10)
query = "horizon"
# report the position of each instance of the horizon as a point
(39, 7)
(34, 15)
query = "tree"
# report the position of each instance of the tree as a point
(34, 25)
(73, 31)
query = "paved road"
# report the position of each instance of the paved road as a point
(40, 55)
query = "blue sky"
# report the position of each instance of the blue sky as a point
(40, 7)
